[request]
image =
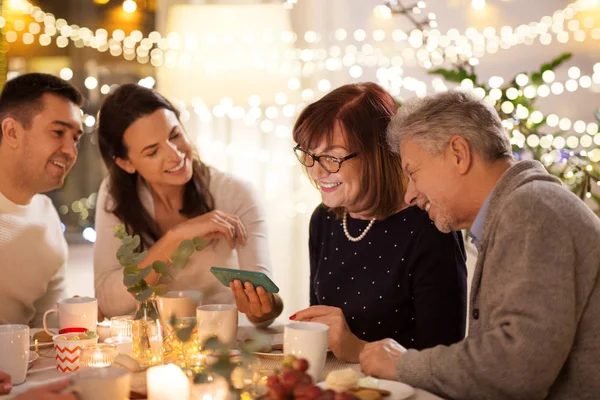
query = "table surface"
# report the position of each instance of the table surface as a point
(44, 369)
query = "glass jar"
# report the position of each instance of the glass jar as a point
(147, 334)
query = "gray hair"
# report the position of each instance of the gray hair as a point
(433, 120)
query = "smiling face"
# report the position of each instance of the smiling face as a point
(343, 188)
(158, 149)
(48, 149)
(433, 185)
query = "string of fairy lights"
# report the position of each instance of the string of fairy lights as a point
(310, 54)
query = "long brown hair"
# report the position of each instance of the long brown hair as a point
(120, 109)
(364, 110)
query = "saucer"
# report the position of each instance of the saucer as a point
(32, 357)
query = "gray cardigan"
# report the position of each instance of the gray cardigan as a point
(535, 301)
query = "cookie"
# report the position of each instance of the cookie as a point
(367, 394)
(342, 380)
(42, 337)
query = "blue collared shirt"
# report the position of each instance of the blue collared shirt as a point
(476, 231)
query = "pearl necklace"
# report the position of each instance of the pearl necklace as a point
(359, 237)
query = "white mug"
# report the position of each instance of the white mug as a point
(220, 320)
(308, 340)
(179, 303)
(14, 351)
(102, 383)
(74, 312)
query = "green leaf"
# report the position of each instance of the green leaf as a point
(120, 231)
(536, 78)
(145, 294)
(145, 271)
(132, 280)
(212, 343)
(124, 251)
(560, 59)
(199, 243)
(202, 378)
(136, 241)
(184, 334)
(160, 267)
(179, 263)
(131, 270)
(161, 289)
(186, 248)
(138, 259)
(135, 289)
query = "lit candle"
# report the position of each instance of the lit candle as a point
(215, 389)
(167, 382)
(36, 345)
(97, 355)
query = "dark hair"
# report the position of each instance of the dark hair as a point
(364, 111)
(21, 97)
(120, 109)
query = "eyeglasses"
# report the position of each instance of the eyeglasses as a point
(330, 164)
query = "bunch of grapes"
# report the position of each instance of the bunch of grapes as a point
(293, 382)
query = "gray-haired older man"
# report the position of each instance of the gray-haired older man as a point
(535, 299)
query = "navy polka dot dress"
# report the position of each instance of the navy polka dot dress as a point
(404, 280)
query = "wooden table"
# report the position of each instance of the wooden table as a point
(44, 369)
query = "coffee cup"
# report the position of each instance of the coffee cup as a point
(14, 351)
(74, 312)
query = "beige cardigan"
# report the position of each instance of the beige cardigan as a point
(535, 301)
(231, 195)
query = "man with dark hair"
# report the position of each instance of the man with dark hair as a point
(40, 126)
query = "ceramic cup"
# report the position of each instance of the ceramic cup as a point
(182, 304)
(67, 351)
(74, 312)
(102, 383)
(308, 340)
(220, 320)
(14, 351)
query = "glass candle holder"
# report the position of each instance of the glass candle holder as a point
(121, 326)
(97, 355)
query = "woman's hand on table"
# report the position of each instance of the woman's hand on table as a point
(379, 359)
(48, 392)
(5, 383)
(345, 345)
(258, 304)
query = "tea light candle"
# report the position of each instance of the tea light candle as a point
(167, 382)
(98, 355)
(121, 325)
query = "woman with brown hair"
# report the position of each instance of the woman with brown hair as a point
(158, 187)
(378, 268)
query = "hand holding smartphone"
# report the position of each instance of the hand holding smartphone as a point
(226, 275)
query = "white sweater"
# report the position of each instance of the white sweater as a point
(33, 253)
(230, 195)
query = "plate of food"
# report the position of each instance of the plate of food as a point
(368, 388)
(43, 339)
(274, 351)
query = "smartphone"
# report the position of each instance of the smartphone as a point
(226, 275)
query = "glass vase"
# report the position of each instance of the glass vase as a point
(147, 334)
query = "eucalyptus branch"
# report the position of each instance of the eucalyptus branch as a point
(130, 259)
